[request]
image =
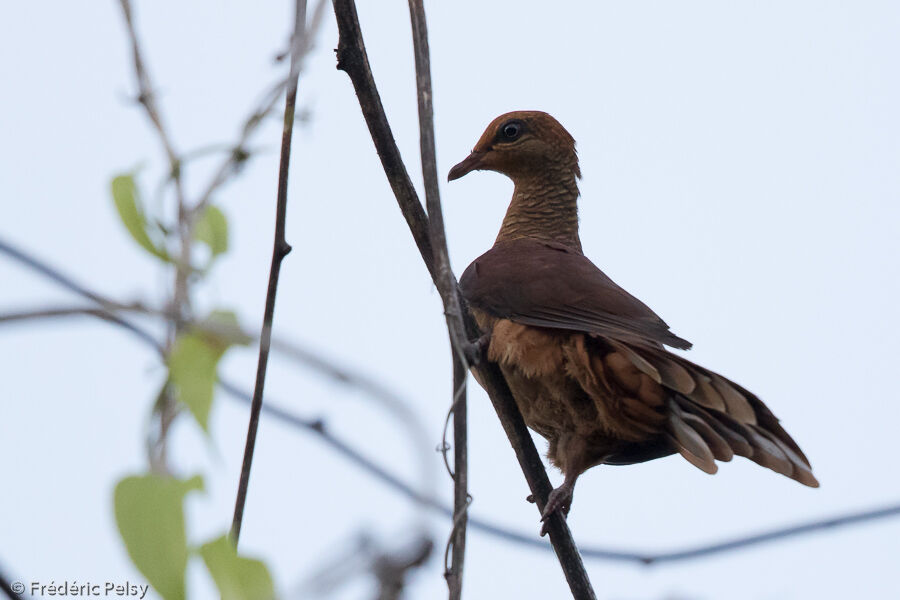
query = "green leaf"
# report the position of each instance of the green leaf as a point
(131, 212)
(237, 578)
(192, 370)
(224, 326)
(150, 515)
(212, 229)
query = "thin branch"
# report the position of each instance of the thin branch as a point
(19, 316)
(389, 566)
(352, 59)
(7, 589)
(392, 570)
(302, 46)
(446, 284)
(147, 96)
(279, 251)
(390, 400)
(147, 99)
(381, 474)
(181, 296)
(63, 280)
(443, 276)
(461, 497)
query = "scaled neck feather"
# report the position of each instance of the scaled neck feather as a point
(544, 206)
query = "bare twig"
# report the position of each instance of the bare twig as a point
(53, 274)
(302, 46)
(147, 98)
(279, 251)
(352, 59)
(181, 297)
(19, 316)
(7, 590)
(443, 278)
(446, 284)
(390, 400)
(390, 566)
(392, 569)
(318, 428)
(461, 497)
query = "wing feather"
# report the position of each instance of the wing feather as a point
(546, 284)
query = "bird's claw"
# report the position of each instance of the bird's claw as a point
(476, 350)
(559, 499)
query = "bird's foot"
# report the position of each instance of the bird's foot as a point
(476, 351)
(560, 500)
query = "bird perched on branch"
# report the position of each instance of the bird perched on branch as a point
(584, 359)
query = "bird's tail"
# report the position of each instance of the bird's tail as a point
(712, 418)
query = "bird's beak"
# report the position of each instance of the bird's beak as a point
(471, 163)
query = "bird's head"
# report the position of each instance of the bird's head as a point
(521, 144)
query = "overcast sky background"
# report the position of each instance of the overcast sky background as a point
(740, 176)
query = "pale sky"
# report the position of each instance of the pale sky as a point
(740, 169)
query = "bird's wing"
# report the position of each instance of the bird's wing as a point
(546, 284)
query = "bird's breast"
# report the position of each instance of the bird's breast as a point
(565, 383)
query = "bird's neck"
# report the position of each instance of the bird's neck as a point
(544, 206)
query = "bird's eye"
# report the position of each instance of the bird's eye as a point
(511, 131)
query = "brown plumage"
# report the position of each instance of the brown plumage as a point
(585, 360)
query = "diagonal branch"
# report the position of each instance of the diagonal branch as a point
(279, 251)
(147, 97)
(352, 59)
(8, 590)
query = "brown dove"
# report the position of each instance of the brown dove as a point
(584, 359)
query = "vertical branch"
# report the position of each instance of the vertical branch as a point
(352, 59)
(446, 284)
(460, 480)
(279, 251)
(181, 296)
(443, 275)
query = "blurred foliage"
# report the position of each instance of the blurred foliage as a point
(149, 507)
(212, 229)
(150, 515)
(237, 578)
(192, 371)
(131, 212)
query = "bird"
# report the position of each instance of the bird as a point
(585, 360)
